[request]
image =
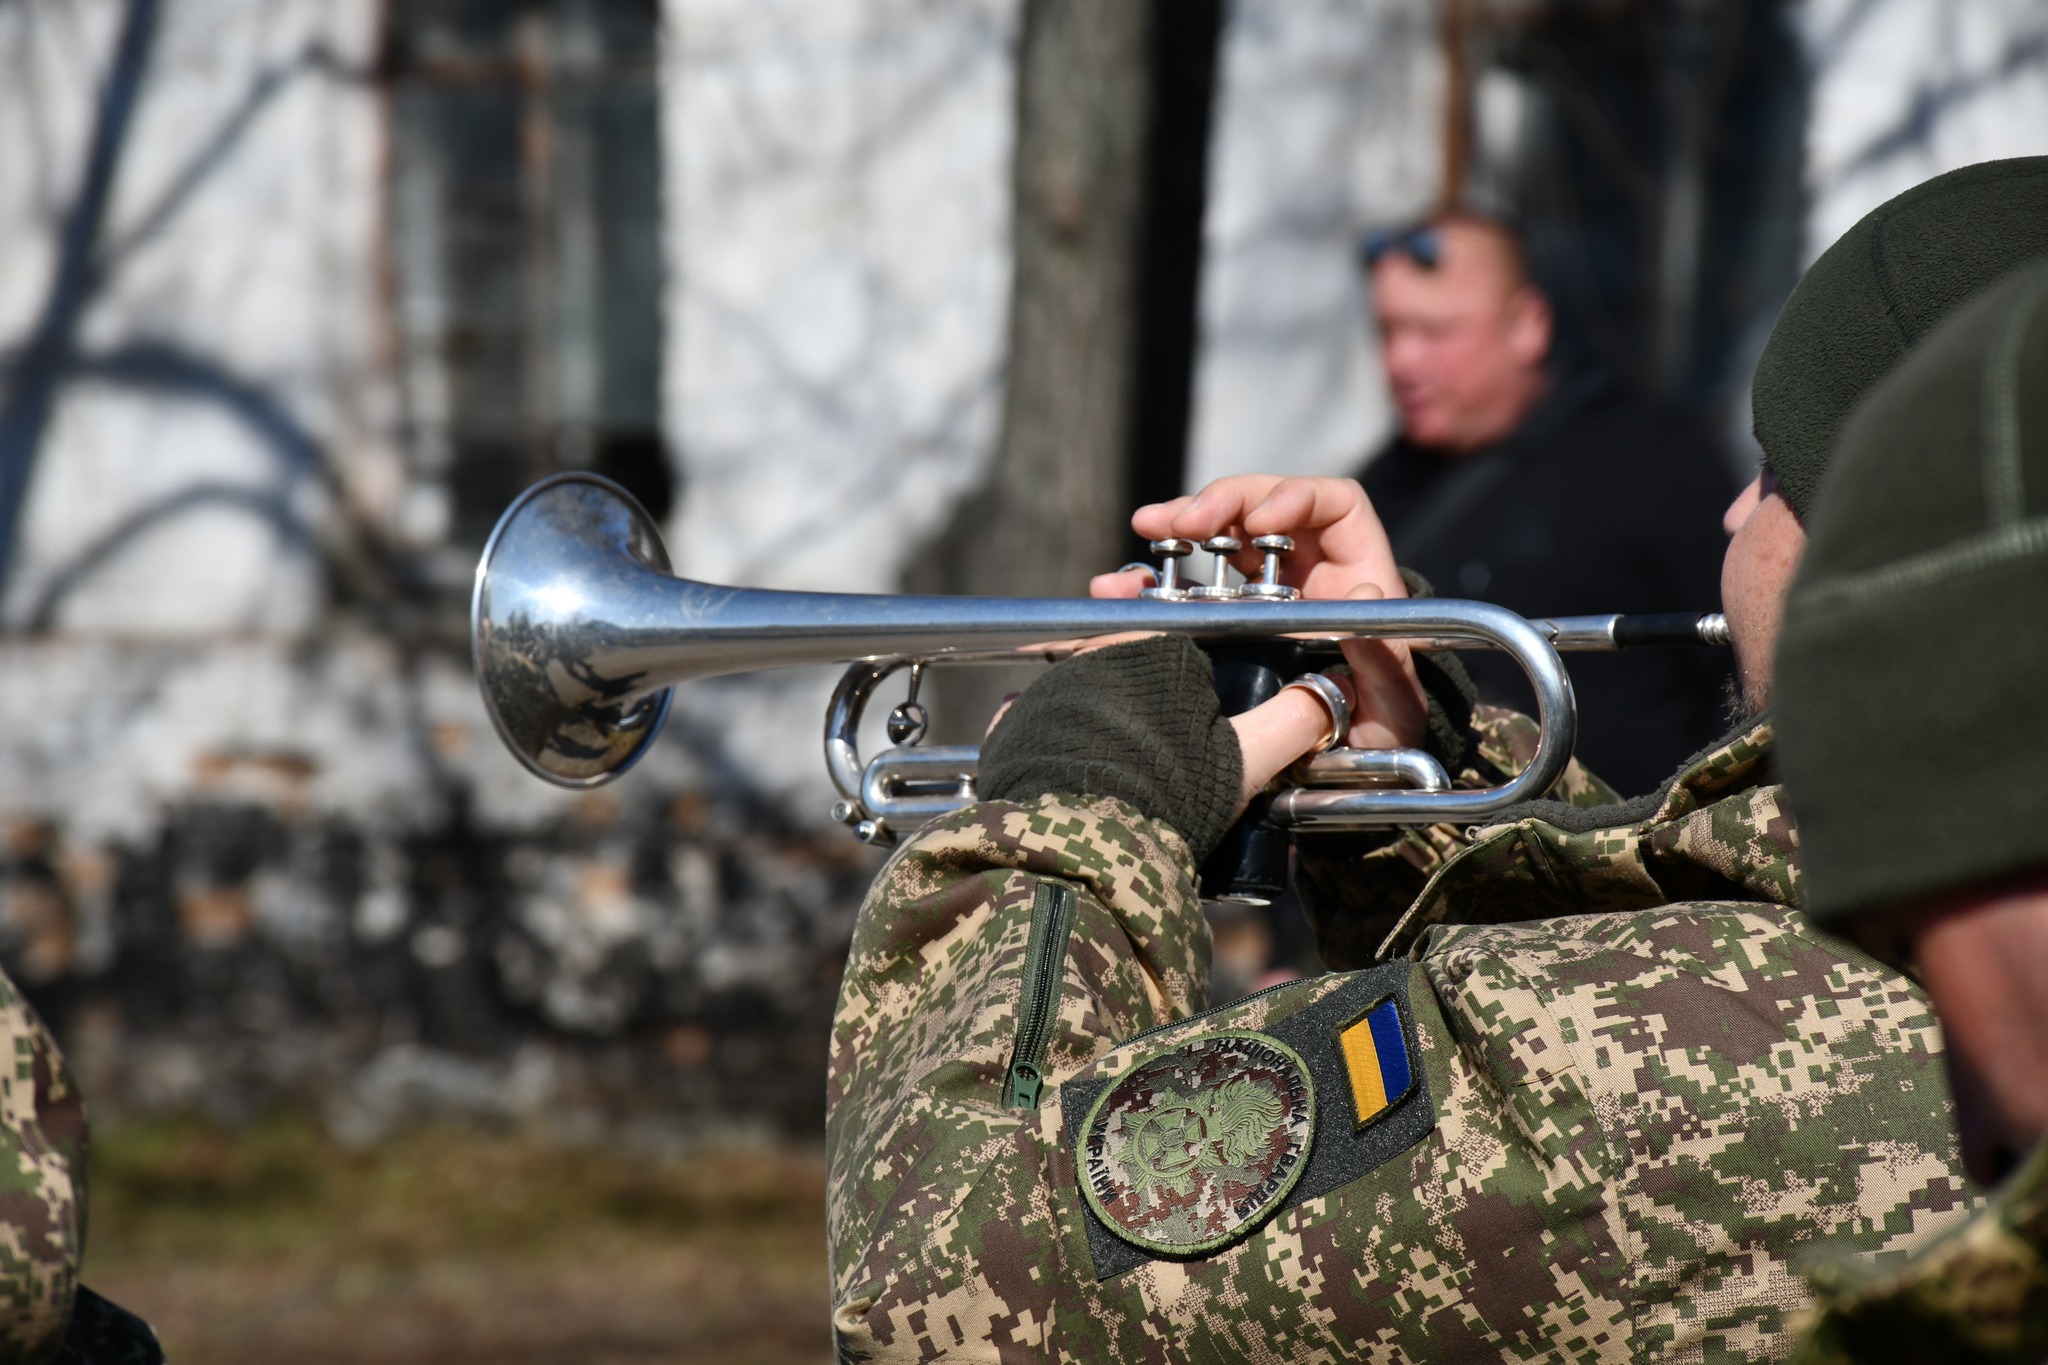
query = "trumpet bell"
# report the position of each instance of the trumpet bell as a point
(546, 635)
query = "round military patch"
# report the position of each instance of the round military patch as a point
(1191, 1148)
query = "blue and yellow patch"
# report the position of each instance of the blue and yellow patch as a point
(1375, 1048)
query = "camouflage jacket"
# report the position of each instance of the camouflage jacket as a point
(1596, 1136)
(46, 1316)
(42, 1191)
(1718, 831)
(1354, 887)
(1978, 1295)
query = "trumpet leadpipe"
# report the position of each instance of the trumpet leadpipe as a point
(1592, 634)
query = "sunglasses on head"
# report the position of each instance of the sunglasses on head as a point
(1423, 245)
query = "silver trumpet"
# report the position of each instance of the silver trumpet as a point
(579, 632)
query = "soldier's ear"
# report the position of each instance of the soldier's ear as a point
(1529, 325)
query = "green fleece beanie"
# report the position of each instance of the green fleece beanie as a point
(1875, 293)
(1912, 674)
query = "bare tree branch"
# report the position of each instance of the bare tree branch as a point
(355, 556)
(269, 505)
(214, 151)
(40, 371)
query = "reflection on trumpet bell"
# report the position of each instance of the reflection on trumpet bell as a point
(579, 633)
(548, 658)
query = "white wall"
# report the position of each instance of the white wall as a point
(837, 184)
(234, 323)
(1905, 89)
(241, 251)
(838, 187)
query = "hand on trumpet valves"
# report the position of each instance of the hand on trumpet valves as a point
(1339, 550)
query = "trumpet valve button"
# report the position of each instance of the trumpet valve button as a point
(1223, 547)
(1269, 587)
(1166, 584)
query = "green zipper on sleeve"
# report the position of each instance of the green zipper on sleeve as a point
(1045, 970)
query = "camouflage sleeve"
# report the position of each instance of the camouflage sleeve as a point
(42, 1194)
(1597, 1138)
(1354, 887)
(928, 1026)
(1980, 1295)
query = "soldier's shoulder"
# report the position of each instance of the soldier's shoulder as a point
(1694, 960)
(1699, 936)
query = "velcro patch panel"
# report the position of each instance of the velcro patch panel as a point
(1371, 1103)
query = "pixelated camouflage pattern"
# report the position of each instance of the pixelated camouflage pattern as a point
(1642, 1116)
(1507, 740)
(1977, 1296)
(42, 1186)
(1355, 886)
(1720, 831)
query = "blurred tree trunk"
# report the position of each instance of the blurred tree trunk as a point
(1113, 112)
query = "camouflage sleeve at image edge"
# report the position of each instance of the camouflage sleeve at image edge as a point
(1355, 886)
(42, 1187)
(1977, 1297)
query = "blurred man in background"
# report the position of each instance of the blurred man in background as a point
(1549, 490)
(1918, 616)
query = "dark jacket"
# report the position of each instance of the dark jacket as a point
(1602, 501)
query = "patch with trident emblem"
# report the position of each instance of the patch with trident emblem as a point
(1193, 1147)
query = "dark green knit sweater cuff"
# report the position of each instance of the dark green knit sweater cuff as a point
(1136, 721)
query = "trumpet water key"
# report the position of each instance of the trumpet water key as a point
(580, 631)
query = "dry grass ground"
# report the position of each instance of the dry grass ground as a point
(277, 1244)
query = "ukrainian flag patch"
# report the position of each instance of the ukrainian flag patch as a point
(1375, 1048)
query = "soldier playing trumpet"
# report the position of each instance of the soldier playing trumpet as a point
(1586, 1079)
